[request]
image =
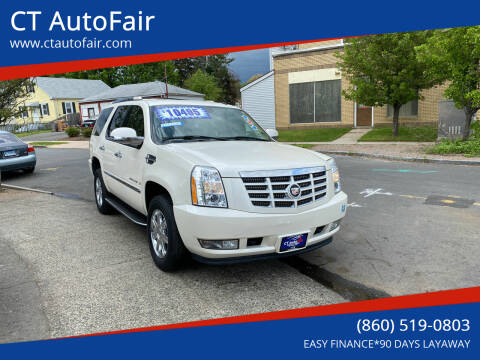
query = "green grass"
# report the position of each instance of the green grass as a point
(467, 148)
(419, 133)
(46, 143)
(305, 146)
(312, 135)
(23, 134)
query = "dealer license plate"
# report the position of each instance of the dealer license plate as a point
(293, 242)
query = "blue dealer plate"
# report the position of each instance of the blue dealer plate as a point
(293, 242)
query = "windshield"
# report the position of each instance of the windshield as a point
(197, 123)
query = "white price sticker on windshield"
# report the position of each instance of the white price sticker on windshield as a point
(181, 113)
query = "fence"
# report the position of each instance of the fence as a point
(68, 119)
(19, 128)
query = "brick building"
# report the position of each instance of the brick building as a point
(308, 87)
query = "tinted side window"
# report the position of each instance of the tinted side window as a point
(102, 119)
(135, 119)
(119, 119)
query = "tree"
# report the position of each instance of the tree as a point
(215, 65)
(204, 83)
(454, 55)
(384, 69)
(130, 74)
(13, 94)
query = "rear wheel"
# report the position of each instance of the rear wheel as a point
(100, 194)
(166, 245)
(29, 170)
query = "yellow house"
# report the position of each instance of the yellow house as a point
(50, 98)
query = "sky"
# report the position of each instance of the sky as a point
(249, 63)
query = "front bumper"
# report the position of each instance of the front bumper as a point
(17, 163)
(196, 222)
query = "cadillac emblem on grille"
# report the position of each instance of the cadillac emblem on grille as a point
(294, 191)
(289, 188)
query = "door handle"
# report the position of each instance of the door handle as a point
(118, 154)
(102, 148)
(150, 159)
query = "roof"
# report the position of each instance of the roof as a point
(155, 88)
(63, 88)
(263, 77)
(318, 48)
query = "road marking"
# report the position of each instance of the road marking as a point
(370, 192)
(49, 169)
(448, 201)
(413, 197)
(407, 171)
(354, 204)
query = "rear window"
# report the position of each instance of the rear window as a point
(102, 119)
(8, 138)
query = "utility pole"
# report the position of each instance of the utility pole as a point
(166, 80)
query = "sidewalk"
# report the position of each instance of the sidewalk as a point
(351, 137)
(79, 144)
(410, 151)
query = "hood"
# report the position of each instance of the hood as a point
(231, 157)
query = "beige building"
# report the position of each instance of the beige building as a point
(308, 86)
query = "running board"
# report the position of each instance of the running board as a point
(127, 211)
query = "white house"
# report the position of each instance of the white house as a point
(90, 107)
(258, 100)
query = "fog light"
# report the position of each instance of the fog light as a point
(334, 225)
(219, 244)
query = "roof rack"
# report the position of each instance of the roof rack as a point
(130, 98)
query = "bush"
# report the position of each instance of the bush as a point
(87, 132)
(72, 131)
(468, 148)
(476, 129)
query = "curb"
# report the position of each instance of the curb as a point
(15, 187)
(401, 158)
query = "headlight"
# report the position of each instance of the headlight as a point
(336, 176)
(207, 187)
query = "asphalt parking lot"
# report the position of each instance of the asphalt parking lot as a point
(65, 269)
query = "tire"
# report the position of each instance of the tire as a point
(166, 245)
(100, 194)
(29, 170)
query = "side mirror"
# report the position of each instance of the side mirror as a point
(272, 133)
(127, 136)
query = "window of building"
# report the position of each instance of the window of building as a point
(91, 113)
(68, 107)
(408, 109)
(318, 101)
(44, 109)
(30, 87)
(24, 113)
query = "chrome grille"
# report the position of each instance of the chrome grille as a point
(271, 188)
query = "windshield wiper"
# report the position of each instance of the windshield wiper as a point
(248, 138)
(194, 137)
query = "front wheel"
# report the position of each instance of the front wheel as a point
(166, 245)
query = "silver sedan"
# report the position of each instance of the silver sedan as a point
(15, 154)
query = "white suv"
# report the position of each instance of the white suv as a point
(206, 179)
